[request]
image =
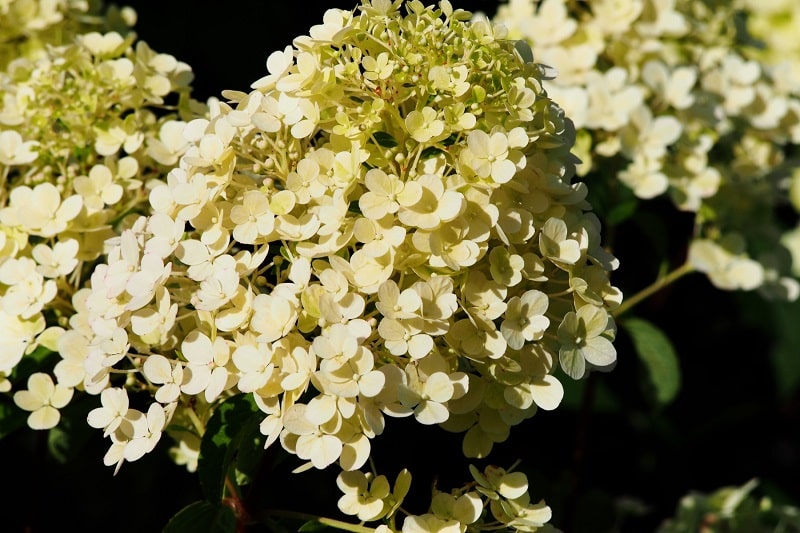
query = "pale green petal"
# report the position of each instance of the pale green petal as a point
(438, 387)
(41, 386)
(513, 485)
(547, 392)
(600, 352)
(430, 413)
(476, 443)
(572, 362)
(323, 450)
(401, 485)
(351, 482)
(45, 418)
(371, 383)
(380, 487)
(27, 401)
(468, 508)
(594, 318)
(61, 396)
(355, 453)
(419, 346)
(518, 397)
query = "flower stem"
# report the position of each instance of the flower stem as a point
(332, 522)
(198, 424)
(654, 287)
(345, 526)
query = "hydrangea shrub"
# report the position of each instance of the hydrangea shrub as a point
(395, 221)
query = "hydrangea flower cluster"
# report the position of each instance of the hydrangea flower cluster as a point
(667, 97)
(27, 27)
(774, 26)
(495, 499)
(385, 225)
(84, 130)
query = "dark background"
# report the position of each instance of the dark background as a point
(228, 45)
(606, 460)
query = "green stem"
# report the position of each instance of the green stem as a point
(654, 287)
(338, 524)
(3, 178)
(345, 526)
(198, 424)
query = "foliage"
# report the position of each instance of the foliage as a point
(732, 509)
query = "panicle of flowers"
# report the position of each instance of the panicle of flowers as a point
(495, 499)
(27, 27)
(385, 225)
(771, 27)
(85, 129)
(669, 98)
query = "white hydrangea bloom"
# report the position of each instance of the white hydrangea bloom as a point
(346, 260)
(44, 399)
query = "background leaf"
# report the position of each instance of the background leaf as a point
(11, 417)
(314, 526)
(385, 139)
(656, 352)
(221, 441)
(39, 360)
(203, 517)
(781, 319)
(68, 439)
(250, 450)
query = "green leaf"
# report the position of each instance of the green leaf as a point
(68, 439)
(524, 50)
(314, 526)
(384, 139)
(221, 441)
(12, 417)
(605, 399)
(203, 517)
(622, 211)
(430, 151)
(251, 450)
(656, 352)
(39, 360)
(779, 321)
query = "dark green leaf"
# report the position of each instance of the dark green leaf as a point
(203, 517)
(430, 151)
(656, 352)
(68, 439)
(39, 360)
(622, 211)
(780, 319)
(450, 140)
(524, 50)
(604, 400)
(12, 417)
(652, 230)
(221, 441)
(251, 448)
(384, 139)
(276, 526)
